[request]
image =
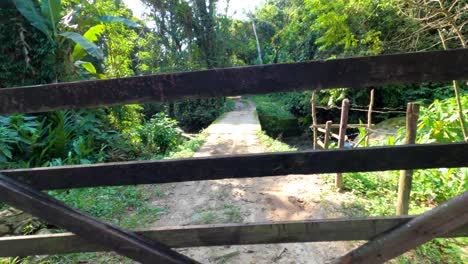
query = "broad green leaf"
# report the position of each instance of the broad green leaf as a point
(92, 35)
(87, 45)
(51, 9)
(6, 152)
(88, 66)
(28, 10)
(127, 22)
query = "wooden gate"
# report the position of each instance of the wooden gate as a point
(388, 236)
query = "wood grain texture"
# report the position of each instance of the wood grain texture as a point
(93, 230)
(245, 166)
(434, 223)
(221, 234)
(326, 140)
(369, 117)
(406, 176)
(350, 72)
(342, 138)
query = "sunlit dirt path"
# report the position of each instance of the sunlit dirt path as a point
(291, 197)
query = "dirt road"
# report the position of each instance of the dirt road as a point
(291, 197)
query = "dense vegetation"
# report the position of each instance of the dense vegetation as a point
(57, 41)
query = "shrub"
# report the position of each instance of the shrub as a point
(275, 117)
(195, 114)
(159, 135)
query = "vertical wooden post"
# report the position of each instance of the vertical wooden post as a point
(326, 140)
(314, 119)
(369, 117)
(406, 176)
(342, 135)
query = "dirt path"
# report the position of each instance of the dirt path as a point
(291, 197)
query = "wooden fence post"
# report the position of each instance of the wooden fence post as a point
(342, 135)
(406, 176)
(314, 119)
(326, 140)
(369, 117)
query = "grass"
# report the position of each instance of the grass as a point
(376, 195)
(230, 105)
(124, 206)
(188, 148)
(273, 145)
(226, 213)
(267, 105)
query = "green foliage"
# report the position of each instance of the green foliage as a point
(125, 21)
(188, 148)
(127, 120)
(28, 9)
(86, 45)
(92, 35)
(273, 145)
(195, 114)
(274, 115)
(27, 56)
(160, 134)
(110, 204)
(229, 105)
(439, 121)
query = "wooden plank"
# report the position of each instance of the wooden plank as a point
(338, 125)
(342, 137)
(336, 136)
(323, 130)
(406, 176)
(369, 117)
(394, 242)
(320, 143)
(326, 141)
(245, 166)
(314, 119)
(221, 234)
(349, 72)
(126, 243)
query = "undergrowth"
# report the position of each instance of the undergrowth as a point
(376, 192)
(272, 144)
(124, 206)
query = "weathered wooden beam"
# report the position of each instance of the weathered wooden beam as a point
(406, 176)
(243, 166)
(338, 125)
(349, 72)
(342, 138)
(434, 223)
(320, 144)
(313, 102)
(326, 140)
(369, 117)
(221, 234)
(126, 243)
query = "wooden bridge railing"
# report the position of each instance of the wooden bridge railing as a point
(389, 236)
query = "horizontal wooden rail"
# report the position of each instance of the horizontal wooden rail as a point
(222, 234)
(338, 125)
(91, 229)
(333, 135)
(244, 166)
(350, 72)
(433, 223)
